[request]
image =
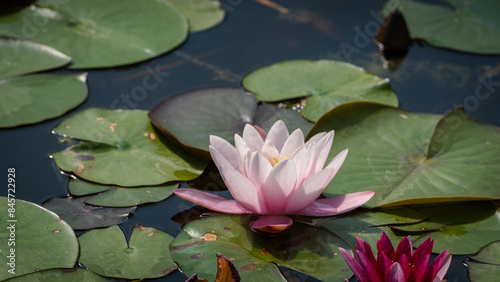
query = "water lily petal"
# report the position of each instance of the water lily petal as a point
(337, 205)
(384, 264)
(365, 248)
(404, 247)
(384, 245)
(354, 266)
(368, 268)
(308, 192)
(278, 134)
(279, 184)
(338, 160)
(420, 268)
(253, 138)
(227, 151)
(304, 163)
(444, 268)
(436, 266)
(242, 189)
(272, 223)
(322, 149)
(210, 201)
(424, 249)
(403, 262)
(396, 273)
(295, 141)
(242, 150)
(270, 152)
(315, 138)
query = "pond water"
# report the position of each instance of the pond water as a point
(251, 36)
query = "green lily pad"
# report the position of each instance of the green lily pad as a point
(106, 252)
(485, 266)
(34, 98)
(81, 216)
(467, 26)
(19, 56)
(124, 150)
(462, 228)
(306, 249)
(326, 83)
(34, 239)
(73, 274)
(115, 196)
(201, 14)
(191, 117)
(368, 224)
(412, 158)
(100, 33)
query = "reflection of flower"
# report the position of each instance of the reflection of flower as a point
(402, 265)
(276, 174)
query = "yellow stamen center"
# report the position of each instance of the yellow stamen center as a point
(274, 161)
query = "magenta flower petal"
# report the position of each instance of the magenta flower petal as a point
(368, 268)
(444, 268)
(424, 249)
(384, 245)
(435, 266)
(354, 266)
(210, 201)
(337, 205)
(384, 264)
(396, 274)
(404, 247)
(272, 223)
(420, 268)
(365, 248)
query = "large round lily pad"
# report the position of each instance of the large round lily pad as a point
(115, 196)
(34, 98)
(81, 216)
(468, 26)
(97, 33)
(485, 266)
(201, 14)
(19, 56)
(106, 252)
(326, 83)
(124, 150)
(39, 238)
(191, 117)
(412, 158)
(304, 248)
(51, 275)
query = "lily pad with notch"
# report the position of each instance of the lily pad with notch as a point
(123, 149)
(99, 33)
(325, 83)
(412, 158)
(466, 26)
(81, 216)
(115, 196)
(107, 253)
(42, 240)
(191, 117)
(485, 265)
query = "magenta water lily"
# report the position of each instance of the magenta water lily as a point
(402, 265)
(276, 174)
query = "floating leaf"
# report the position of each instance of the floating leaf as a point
(462, 228)
(485, 266)
(326, 83)
(73, 274)
(307, 249)
(19, 56)
(38, 236)
(368, 224)
(193, 116)
(201, 14)
(106, 252)
(410, 158)
(81, 216)
(115, 196)
(467, 26)
(125, 150)
(99, 33)
(34, 98)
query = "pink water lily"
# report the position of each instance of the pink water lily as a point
(402, 265)
(276, 174)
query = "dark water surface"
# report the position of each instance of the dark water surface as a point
(251, 36)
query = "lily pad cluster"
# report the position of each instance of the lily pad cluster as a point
(98, 34)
